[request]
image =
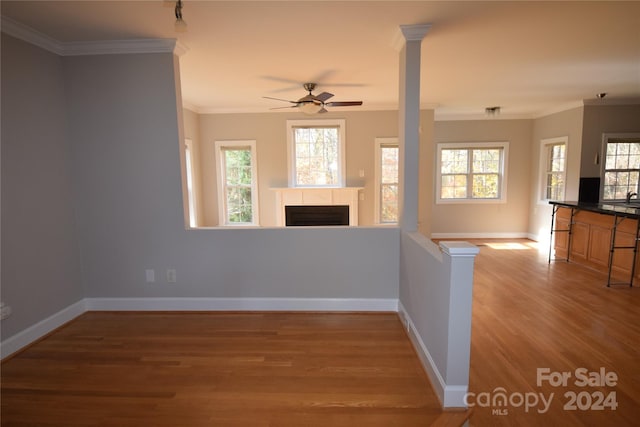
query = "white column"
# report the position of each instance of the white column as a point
(409, 124)
(461, 257)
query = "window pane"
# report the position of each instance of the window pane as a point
(486, 161)
(454, 161)
(618, 184)
(621, 169)
(316, 156)
(239, 208)
(389, 167)
(555, 186)
(389, 203)
(238, 166)
(485, 186)
(454, 187)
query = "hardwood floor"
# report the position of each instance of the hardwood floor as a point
(319, 369)
(220, 369)
(529, 315)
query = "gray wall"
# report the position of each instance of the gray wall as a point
(126, 137)
(604, 119)
(40, 263)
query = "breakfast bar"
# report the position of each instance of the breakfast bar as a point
(603, 236)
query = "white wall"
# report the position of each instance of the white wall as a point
(40, 263)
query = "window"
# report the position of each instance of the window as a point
(237, 182)
(316, 153)
(473, 172)
(386, 201)
(621, 165)
(191, 193)
(553, 160)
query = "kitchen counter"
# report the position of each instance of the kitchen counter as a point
(591, 233)
(631, 210)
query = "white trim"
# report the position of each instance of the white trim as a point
(342, 158)
(29, 35)
(222, 201)
(542, 165)
(451, 396)
(606, 136)
(103, 47)
(241, 304)
(111, 47)
(379, 143)
(190, 176)
(40, 329)
(504, 167)
(511, 235)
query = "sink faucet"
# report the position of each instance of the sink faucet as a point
(630, 195)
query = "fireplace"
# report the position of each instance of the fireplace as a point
(309, 215)
(319, 202)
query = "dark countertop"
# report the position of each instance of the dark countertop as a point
(618, 209)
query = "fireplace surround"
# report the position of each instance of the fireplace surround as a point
(318, 197)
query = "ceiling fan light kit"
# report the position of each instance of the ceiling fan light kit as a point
(314, 104)
(180, 24)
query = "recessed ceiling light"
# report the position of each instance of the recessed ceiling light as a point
(601, 95)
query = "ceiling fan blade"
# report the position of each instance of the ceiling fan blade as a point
(324, 96)
(343, 103)
(280, 99)
(280, 108)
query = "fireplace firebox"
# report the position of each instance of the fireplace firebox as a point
(309, 215)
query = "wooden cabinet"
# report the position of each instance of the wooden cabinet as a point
(590, 242)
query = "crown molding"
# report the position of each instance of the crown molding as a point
(448, 117)
(106, 47)
(29, 35)
(408, 33)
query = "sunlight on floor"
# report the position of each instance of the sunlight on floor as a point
(512, 245)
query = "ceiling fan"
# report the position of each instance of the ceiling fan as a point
(314, 104)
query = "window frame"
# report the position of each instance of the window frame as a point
(190, 183)
(606, 137)
(291, 153)
(545, 146)
(502, 173)
(223, 220)
(379, 144)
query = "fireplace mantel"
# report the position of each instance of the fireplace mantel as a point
(320, 196)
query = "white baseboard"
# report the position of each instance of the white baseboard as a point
(451, 396)
(515, 235)
(241, 304)
(40, 329)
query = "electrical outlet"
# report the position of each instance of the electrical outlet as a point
(171, 275)
(5, 311)
(150, 275)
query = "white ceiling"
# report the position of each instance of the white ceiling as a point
(529, 58)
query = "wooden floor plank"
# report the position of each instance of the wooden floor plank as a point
(528, 314)
(240, 369)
